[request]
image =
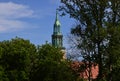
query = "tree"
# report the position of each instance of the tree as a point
(91, 33)
(22, 61)
(3, 76)
(113, 55)
(16, 58)
(51, 66)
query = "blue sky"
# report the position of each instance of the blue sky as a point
(31, 19)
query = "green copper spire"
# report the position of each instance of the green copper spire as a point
(57, 22)
(57, 36)
(57, 25)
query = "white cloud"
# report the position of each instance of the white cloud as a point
(10, 15)
(11, 25)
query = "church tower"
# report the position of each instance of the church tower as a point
(57, 37)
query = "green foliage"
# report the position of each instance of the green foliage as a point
(50, 71)
(113, 53)
(3, 76)
(49, 52)
(16, 55)
(51, 67)
(22, 61)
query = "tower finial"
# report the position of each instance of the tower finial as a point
(57, 22)
(56, 14)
